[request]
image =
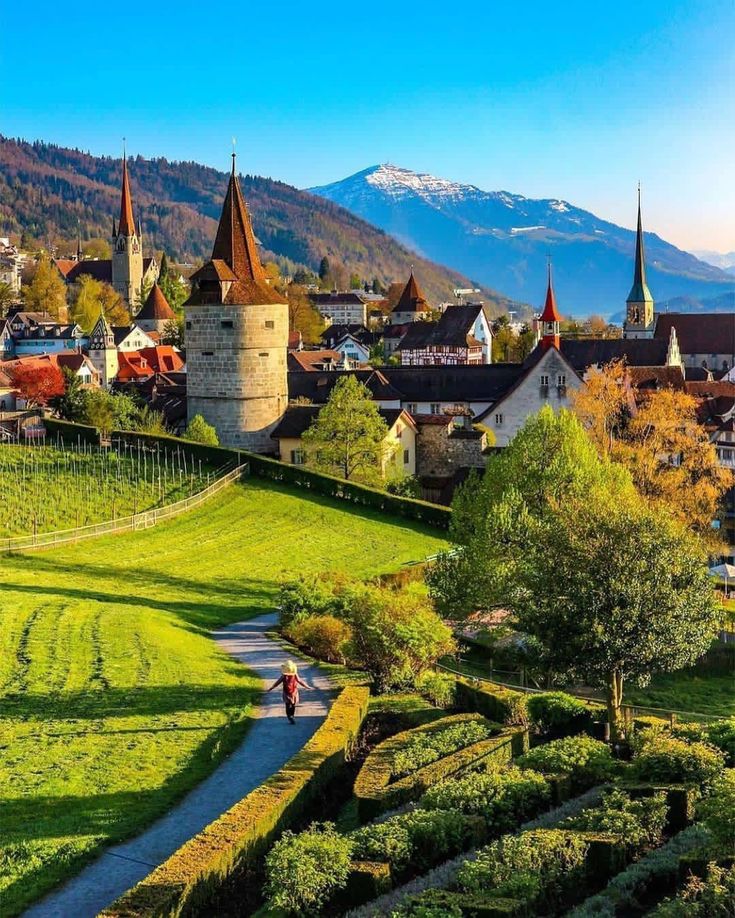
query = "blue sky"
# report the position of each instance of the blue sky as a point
(577, 100)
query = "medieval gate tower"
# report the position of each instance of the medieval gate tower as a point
(236, 336)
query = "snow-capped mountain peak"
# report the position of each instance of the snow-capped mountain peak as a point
(399, 182)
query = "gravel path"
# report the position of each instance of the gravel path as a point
(269, 743)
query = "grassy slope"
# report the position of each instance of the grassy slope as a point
(113, 700)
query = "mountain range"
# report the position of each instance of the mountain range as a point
(503, 240)
(47, 191)
(724, 260)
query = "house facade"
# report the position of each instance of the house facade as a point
(461, 336)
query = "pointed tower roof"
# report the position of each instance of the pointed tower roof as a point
(639, 292)
(126, 225)
(550, 313)
(412, 299)
(235, 257)
(156, 307)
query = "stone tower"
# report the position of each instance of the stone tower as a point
(412, 305)
(236, 336)
(103, 351)
(639, 321)
(127, 247)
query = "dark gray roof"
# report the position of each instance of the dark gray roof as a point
(698, 332)
(483, 383)
(333, 298)
(452, 330)
(637, 352)
(298, 419)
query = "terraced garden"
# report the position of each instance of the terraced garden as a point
(113, 699)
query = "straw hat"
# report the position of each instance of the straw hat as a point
(289, 668)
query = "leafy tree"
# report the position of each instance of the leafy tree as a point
(99, 410)
(303, 316)
(70, 404)
(97, 248)
(172, 286)
(95, 297)
(37, 385)
(660, 441)
(150, 421)
(348, 436)
(200, 432)
(355, 281)
(8, 296)
(46, 292)
(302, 277)
(377, 286)
(612, 588)
(173, 333)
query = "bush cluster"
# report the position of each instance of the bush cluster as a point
(438, 688)
(537, 866)
(663, 759)
(718, 811)
(555, 712)
(587, 761)
(719, 733)
(425, 747)
(417, 840)
(503, 798)
(640, 822)
(304, 870)
(393, 634)
(711, 897)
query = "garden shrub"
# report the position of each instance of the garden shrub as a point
(503, 798)
(438, 688)
(588, 761)
(721, 734)
(314, 595)
(426, 747)
(557, 712)
(432, 903)
(718, 811)
(639, 822)
(304, 870)
(497, 703)
(324, 636)
(416, 840)
(711, 897)
(537, 866)
(662, 759)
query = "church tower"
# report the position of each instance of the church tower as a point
(639, 312)
(127, 247)
(103, 351)
(236, 336)
(549, 320)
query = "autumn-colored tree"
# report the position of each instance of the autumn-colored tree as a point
(303, 316)
(96, 248)
(93, 297)
(660, 441)
(8, 296)
(37, 385)
(46, 292)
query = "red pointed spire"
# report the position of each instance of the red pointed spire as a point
(550, 313)
(126, 226)
(550, 317)
(412, 299)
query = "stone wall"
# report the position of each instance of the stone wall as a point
(441, 450)
(236, 371)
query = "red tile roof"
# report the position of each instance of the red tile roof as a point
(412, 299)
(163, 358)
(132, 365)
(156, 307)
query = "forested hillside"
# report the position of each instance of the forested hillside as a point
(45, 191)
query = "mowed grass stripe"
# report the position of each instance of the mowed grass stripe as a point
(127, 701)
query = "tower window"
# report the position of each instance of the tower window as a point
(270, 324)
(226, 323)
(263, 354)
(498, 419)
(188, 325)
(207, 353)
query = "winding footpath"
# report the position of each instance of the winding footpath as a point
(269, 743)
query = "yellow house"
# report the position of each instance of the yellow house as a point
(400, 441)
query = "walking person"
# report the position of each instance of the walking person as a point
(290, 680)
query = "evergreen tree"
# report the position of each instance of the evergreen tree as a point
(325, 271)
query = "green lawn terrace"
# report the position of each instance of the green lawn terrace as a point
(48, 488)
(113, 698)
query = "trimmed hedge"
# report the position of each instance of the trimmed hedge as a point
(422, 511)
(72, 433)
(210, 865)
(376, 794)
(216, 456)
(497, 703)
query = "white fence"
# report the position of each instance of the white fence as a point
(144, 520)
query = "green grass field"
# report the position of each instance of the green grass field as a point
(113, 699)
(45, 488)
